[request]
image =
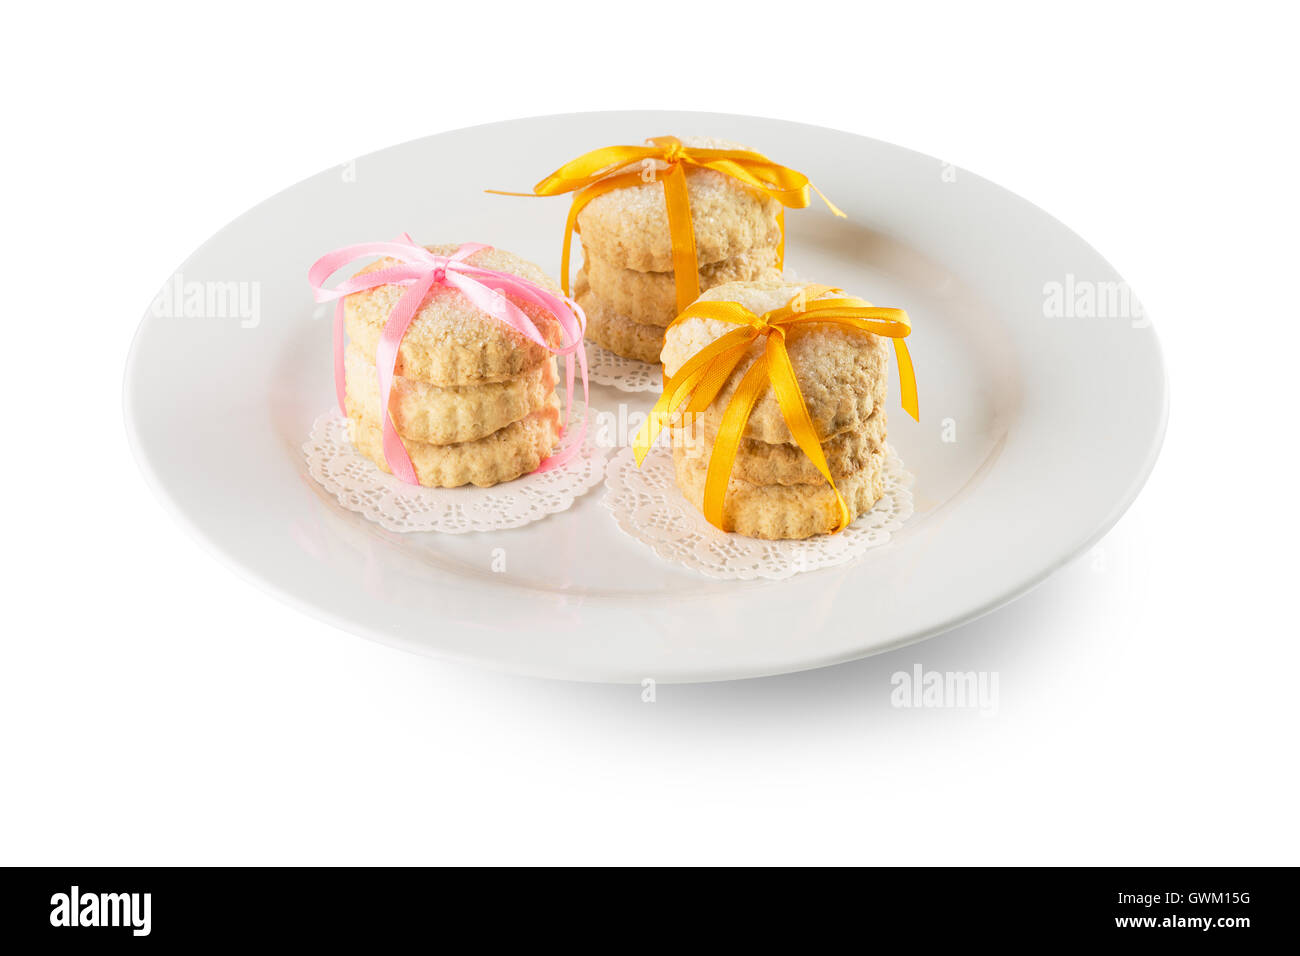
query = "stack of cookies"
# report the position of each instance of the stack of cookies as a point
(472, 400)
(775, 491)
(626, 285)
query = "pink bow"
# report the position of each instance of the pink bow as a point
(420, 270)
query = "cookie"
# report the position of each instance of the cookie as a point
(617, 332)
(842, 372)
(784, 511)
(629, 227)
(451, 341)
(651, 297)
(451, 414)
(761, 463)
(501, 456)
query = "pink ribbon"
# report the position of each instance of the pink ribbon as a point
(420, 270)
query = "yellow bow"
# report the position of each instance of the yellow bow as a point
(698, 382)
(590, 176)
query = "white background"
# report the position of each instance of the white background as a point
(156, 709)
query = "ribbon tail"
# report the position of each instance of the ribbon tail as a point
(390, 341)
(829, 205)
(717, 376)
(906, 379)
(683, 384)
(570, 227)
(575, 364)
(780, 246)
(340, 376)
(676, 391)
(570, 439)
(591, 167)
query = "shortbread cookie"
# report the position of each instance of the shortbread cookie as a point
(628, 227)
(617, 332)
(443, 416)
(651, 297)
(501, 456)
(761, 463)
(784, 511)
(451, 341)
(842, 372)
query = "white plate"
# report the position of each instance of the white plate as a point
(1057, 419)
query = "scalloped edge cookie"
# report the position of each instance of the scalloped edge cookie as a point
(765, 463)
(629, 227)
(451, 341)
(451, 414)
(650, 298)
(779, 512)
(501, 456)
(843, 373)
(617, 332)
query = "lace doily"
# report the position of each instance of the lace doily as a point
(648, 506)
(628, 375)
(397, 506)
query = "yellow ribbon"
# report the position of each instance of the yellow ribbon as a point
(698, 382)
(593, 174)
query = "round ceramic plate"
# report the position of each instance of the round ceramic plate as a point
(1043, 405)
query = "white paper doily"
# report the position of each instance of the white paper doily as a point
(648, 506)
(360, 486)
(628, 375)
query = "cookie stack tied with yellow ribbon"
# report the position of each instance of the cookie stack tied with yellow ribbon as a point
(662, 221)
(776, 403)
(627, 282)
(472, 400)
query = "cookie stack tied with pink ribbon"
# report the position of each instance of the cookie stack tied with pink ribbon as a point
(448, 375)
